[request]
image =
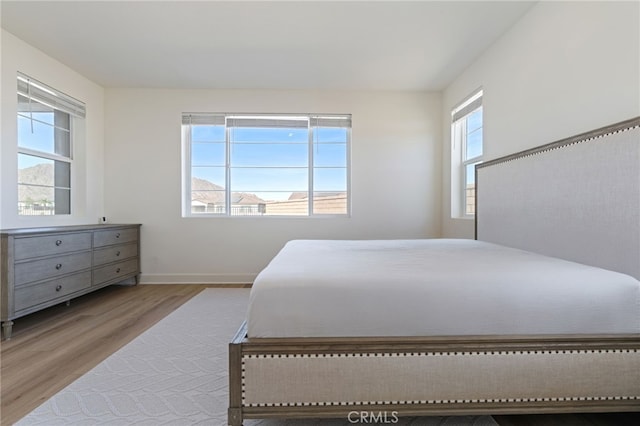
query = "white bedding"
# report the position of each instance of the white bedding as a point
(440, 287)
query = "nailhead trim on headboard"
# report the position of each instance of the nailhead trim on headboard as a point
(584, 137)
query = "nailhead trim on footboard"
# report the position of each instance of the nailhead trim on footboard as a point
(615, 364)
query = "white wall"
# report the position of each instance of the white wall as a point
(87, 172)
(395, 177)
(563, 69)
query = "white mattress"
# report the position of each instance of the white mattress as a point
(440, 287)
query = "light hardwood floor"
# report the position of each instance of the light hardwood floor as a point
(52, 348)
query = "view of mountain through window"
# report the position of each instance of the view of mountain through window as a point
(263, 165)
(45, 155)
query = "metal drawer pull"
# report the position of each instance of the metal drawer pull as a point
(58, 242)
(118, 253)
(58, 287)
(59, 266)
(118, 235)
(118, 271)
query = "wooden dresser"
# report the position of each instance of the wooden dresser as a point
(41, 267)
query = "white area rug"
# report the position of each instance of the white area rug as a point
(175, 373)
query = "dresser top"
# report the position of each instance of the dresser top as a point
(55, 229)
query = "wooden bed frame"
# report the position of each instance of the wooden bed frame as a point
(389, 377)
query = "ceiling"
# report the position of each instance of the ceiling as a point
(352, 45)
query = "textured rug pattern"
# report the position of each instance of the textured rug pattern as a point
(175, 373)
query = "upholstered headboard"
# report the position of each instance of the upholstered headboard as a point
(577, 199)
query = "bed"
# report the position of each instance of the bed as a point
(417, 332)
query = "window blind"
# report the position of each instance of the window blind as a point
(269, 122)
(265, 121)
(467, 107)
(36, 91)
(339, 121)
(203, 119)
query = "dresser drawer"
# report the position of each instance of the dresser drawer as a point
(114, 236)
(114, 253)
(114, 271)
(49, 245)
(35, 270)
(27, 296)
(42, 267)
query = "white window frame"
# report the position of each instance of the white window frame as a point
(313, 121)
(36, 91)
(460, 162)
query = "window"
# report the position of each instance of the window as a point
(265, 165)
(45, 147)
(467, 147)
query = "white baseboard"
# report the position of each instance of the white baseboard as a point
(197, 278)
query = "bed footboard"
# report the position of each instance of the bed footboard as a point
(393, 377)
